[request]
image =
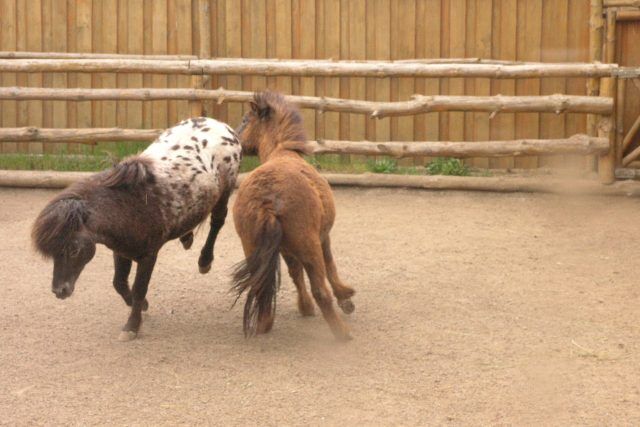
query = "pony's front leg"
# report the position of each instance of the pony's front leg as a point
(122, 268)
(218, 216)
(138, 297)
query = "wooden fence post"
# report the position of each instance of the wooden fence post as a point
(607, 125)
(596, 25)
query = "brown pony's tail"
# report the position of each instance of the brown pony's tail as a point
(259, 275)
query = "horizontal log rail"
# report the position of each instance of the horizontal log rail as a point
(419, 104)
(52, 179)
(621, 3)
(318, 68)
(77, 55)
(577, 144)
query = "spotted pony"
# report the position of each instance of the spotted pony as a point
(134, 208)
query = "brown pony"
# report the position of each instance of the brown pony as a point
(284, 207)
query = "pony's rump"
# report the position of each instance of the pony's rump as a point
(56, 224)
(259, 275)
(129, 173)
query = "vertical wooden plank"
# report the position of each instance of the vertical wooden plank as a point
(203, 15)
(109, 29)
(471, 44)
(8, 32)
(457, 46)
(577, 51)
(84, 44)
(554, 45)
(319, 54)
(184, 45)
(159, 118)
(34, 43)
(97, 46)
(172, 49)
(122, 118)
(147, 79)
(331, 34)
(59, 44)
(221, 48)
(403, 46)
(21, 78)
(345, 82)
(47, 78)
(445, 24)
(428, 38)
(529, 36)
(135, 42)
(304, 22)
(380, 26)
(504, 41)
(283, 44)
(483, 49)
(234, 49)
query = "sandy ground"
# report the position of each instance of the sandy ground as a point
(471, 309)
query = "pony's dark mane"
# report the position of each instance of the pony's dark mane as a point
(287, 119)
(130, 172)
(54, 227)
(64, 215)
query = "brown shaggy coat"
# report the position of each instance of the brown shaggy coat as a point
(284, 206)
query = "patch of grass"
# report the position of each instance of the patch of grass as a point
(382, 165)
(447, 166)
(103, 155)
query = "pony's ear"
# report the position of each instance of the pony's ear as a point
(254, 107)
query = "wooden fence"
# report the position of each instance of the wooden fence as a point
(338, 29)
(458, 99)
(602, 107)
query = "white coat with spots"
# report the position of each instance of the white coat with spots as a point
(196, 162)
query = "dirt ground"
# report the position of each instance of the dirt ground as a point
(472, 308)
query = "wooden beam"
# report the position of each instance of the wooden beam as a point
(628, 15)
(596, 24)
(69, 55)
(621, 3)
(309, 68)
(577, 144)
(419, 104)
(52, 179)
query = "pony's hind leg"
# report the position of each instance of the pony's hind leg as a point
(187, 240)
(314, 265)
(121, 279)
(138, 297)
(218, 216)
(305, 303)
(342, 292)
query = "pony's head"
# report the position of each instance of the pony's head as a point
(59, 233)
(272, 123)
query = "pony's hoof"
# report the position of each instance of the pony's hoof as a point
(347, 306)
(126, 336)
(187, 241)
(204, 269)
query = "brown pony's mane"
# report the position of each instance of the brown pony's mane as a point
(286, 118)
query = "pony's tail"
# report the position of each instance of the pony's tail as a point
(259, 275)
